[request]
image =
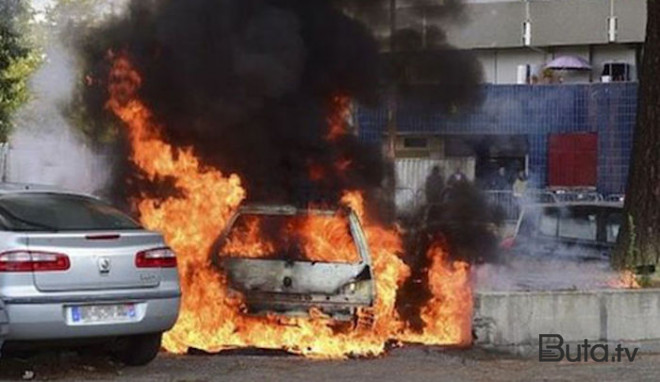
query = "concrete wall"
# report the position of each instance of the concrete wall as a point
(500, 66)
(554, 23)
(508, 60)
(569, 22)
(631, 16)
(493, 29)
(489, 25)
(514, 320)
(498, 24)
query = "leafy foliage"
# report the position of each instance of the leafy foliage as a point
(73, 21)
(17, 60)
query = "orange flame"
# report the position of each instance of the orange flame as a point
(319, 238)
(339, 115)
(315, 172)
(210, 317)
(625, 280)
(445, 315)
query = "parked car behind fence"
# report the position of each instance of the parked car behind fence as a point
(574, 230)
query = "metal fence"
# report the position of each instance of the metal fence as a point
(579, 196)
(510, 205)
(507, 203)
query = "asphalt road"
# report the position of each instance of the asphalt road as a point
(410, 364)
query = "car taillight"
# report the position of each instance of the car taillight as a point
(156, 258)
(33, 261)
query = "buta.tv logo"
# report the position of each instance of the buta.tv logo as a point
(552, 349)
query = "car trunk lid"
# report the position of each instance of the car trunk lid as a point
(98, 260)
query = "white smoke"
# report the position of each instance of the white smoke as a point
(534, 273)
(44, 148)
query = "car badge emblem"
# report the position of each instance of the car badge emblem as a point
(104, 265)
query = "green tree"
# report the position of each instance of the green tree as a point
(18, 59)
(639, 241)
(71, 22)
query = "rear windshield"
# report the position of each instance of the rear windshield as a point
(580, 223)
(60, 212)
(322, 238)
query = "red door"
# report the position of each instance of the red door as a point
(573, 160)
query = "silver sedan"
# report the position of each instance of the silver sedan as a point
(74, 268)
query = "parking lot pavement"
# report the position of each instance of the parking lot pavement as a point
(409, 364)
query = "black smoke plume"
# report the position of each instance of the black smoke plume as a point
(249, 84)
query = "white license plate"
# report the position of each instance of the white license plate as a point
(102, 313)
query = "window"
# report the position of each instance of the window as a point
(617, 71)
(60, 212)
(579, 224)
(548, 222)
(300, 237)
(415, 143)
(612, 226)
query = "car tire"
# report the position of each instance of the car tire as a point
(138, 350)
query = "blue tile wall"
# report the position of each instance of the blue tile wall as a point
(535, 111)
(538, 163)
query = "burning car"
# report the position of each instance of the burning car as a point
(287, 261)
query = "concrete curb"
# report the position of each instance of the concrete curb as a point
(512, 321)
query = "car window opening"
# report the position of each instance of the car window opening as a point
(304, 237)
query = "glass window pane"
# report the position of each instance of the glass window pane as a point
(576, 224)
(548, 223)
(60, 212)
(612, 225)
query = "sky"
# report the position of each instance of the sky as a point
(40, 5)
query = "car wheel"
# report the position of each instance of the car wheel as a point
(138, 350)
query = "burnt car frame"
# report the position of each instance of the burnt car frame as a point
(569, 230)
(282, 285)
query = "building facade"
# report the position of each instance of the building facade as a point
(508, 35)
(565, 128)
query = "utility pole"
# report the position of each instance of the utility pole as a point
(392, 106)
(392, 103)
